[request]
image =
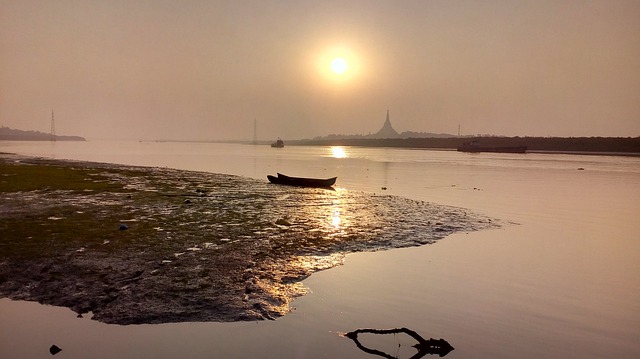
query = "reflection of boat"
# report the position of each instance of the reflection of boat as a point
(278, 144)
(301, 181)
(475, 147)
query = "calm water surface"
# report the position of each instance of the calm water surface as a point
(559, 280)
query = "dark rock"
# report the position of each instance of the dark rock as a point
(54, 350)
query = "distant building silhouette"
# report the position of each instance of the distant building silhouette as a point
(387, 130)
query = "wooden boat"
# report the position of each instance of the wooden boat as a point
(278, 144)
(301, 181)
(475, 148)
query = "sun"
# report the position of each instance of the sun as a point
(339, 65)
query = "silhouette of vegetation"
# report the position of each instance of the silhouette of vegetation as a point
(9, 134)
(609, 145)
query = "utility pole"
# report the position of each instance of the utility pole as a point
(53, 128)
(255, 131)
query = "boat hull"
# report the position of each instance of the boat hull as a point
(301, 181)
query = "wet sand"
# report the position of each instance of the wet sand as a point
(157, 245)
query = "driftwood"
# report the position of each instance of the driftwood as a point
(424, 346)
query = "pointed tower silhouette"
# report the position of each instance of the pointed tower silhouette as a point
(387, 130)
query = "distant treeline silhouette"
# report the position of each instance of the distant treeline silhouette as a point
(9, 134)
(626, 145)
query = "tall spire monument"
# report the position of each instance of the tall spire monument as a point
(387, 130)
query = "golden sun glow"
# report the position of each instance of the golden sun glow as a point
(339, 65)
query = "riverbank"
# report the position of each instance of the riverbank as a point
(154, 245)
(9, 134)
(576, 145)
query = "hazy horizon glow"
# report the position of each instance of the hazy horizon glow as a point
(200, 70)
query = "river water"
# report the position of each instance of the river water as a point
(560, 279)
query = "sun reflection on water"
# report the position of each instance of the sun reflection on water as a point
(336, 215)
(335, 219)
(338, 152)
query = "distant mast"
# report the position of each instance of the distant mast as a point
(53, 128)
(255, 131)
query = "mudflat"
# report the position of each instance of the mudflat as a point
(139, 245)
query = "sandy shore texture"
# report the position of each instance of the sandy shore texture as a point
(139, 245)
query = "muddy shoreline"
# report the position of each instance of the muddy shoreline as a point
(139, 245)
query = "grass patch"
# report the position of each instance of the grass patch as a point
(21, 177)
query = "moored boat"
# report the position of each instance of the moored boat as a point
(302, 181)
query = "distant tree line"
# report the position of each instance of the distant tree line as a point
(553, 144)
(9, 134)
(403, 135)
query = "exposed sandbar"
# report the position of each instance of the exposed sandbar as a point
(197, 246)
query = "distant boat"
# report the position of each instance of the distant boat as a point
(475, 147)
(278, 144)
(301, 181)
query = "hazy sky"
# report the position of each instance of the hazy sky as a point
(149, 69)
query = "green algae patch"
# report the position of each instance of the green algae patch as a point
(34, 221)
(23, 175)
(154, 245)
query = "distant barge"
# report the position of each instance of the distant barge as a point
(278, 144)
(475, 148)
